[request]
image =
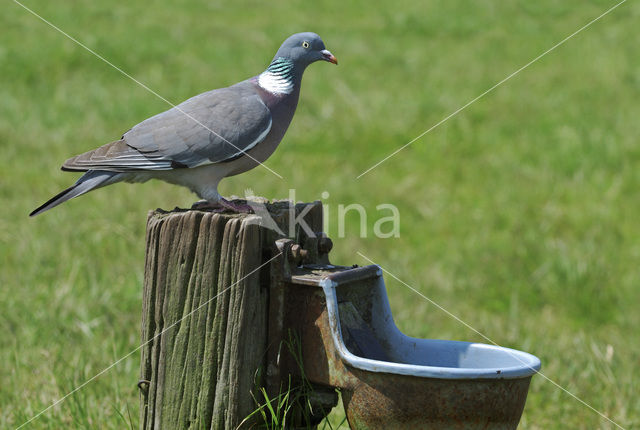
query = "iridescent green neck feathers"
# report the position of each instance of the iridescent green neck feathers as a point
(279, 76)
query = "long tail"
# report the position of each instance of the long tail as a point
(89, 181)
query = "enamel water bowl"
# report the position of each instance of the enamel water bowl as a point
(392, 381)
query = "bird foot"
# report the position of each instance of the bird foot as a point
(221, 206)
(205, 205)
(236, 207)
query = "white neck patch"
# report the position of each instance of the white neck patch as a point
(275, 83)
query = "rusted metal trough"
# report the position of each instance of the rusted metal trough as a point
(389, 380)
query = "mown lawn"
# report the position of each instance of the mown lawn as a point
(519, 215)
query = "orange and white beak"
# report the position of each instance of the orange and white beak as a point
(328, 56)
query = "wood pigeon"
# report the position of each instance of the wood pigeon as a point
(208, 137)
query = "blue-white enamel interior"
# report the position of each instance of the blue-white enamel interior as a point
(429, 358)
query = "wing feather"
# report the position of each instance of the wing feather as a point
(212, 127)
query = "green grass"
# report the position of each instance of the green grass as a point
(519, 214)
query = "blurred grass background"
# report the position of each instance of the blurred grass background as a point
(519, 215)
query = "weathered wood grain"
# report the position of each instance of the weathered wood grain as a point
(205, 316)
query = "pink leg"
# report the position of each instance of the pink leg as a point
(236, 207)
(221, 206)
(204, 205)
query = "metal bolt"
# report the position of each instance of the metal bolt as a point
(298, 253)
(325, 245)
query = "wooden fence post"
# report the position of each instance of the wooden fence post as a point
(205, 316)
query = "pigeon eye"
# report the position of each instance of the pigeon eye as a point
(305, 44)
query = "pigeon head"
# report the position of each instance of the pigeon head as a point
(284, 74)
(304, 49)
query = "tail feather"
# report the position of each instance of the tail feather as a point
(89, 181)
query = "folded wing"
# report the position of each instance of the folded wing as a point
(213, 127)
